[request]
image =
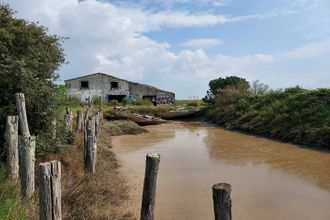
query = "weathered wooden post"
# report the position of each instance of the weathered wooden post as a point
(97, 124)
(221, 201)
(68, 120)
(90, 147)
(89, 102)
(50, 190)
(27, 160)
(79, 121)
(149, 186)
(20, 103)
(27, 150)
(11, 138)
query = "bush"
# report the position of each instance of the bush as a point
(295, 115)
(29, 59)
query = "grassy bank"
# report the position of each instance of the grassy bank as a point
(294, 115)
(11, 205)
(103, 195)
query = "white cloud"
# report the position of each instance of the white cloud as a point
(202, 43)
(109, 38)
(311, 50)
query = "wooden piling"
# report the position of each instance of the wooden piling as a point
(21, 109)
(97, 123)
(26, 150)
(149, 186)
(27, 160)
(222, 201)
(79, 123)
(50, 190)
(90, 147)
(68, 120)
(11, 139)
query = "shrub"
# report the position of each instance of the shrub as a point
(29, 59)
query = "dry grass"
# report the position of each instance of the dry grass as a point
(103, 195)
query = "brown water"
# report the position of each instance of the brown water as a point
(270, 180)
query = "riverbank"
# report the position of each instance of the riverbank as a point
(103, 195)
(295, 115)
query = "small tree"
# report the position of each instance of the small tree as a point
(218, 85)
(29, 58)
(258, 88)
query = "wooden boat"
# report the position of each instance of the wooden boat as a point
(179, 113)
(137, 118)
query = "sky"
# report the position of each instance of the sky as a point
(180, 45)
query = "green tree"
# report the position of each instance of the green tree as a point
(29, 59)
(216, 86)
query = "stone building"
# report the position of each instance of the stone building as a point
(113, 88)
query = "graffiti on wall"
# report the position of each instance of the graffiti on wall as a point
(165, 100)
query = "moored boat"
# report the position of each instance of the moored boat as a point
(179, 113)
(142, 120)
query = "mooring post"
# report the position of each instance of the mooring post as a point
(26, 151)
(50, 190)
(79, 121)
(149, 186)
(21, 109)
(222, 201)
(68, 119)
(90, 147)
(11, 139)
(27, 159)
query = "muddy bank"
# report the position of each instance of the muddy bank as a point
(270, 180)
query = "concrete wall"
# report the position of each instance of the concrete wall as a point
(162, 97)
(99, 85)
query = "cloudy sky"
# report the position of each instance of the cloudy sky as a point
(180, 45)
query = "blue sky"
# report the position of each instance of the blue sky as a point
(180, 45)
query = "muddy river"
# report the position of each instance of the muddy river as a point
(269, 179)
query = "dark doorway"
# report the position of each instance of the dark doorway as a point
(119, 98)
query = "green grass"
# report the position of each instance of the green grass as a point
(11, 205)
(293, 115)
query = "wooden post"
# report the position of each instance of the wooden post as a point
(26, 151)
(90, 147)
(20, 102)
(11, 138)
(222, 201)
(149, 186)
(27, 159)
(68, 120)
(97, 124)
(50, 190)
(79, 122)
(101, 103)
(89, 102)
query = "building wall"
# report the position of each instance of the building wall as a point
(161, 97)
(99, 85)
